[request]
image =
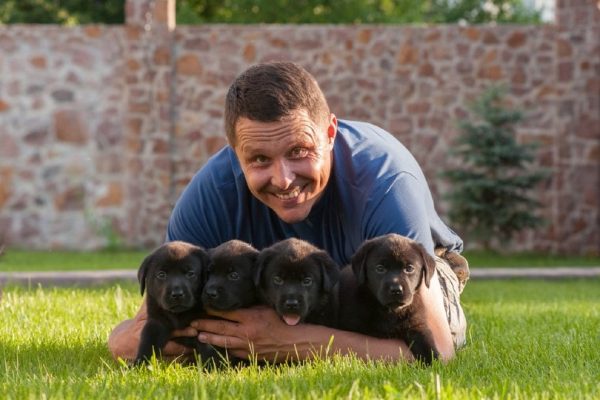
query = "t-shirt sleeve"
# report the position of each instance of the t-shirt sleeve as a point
(399, 205)
(200, 216)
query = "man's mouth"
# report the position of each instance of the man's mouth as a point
(289, 195)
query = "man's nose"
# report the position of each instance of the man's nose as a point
(282, 175)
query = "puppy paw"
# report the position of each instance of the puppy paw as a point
(458, 264)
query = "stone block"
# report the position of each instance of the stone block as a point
(70, 127)
(112, 195)
(188, 64)
(4, 105)
(71, 199)
(6, 184)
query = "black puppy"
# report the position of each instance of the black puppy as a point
(173, 277)
(230, 283)
(299, 281)
(376, 293)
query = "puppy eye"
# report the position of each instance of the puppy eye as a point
(233, 276)
(162, 275)
(380, 269)
(409, 268)
(277, 280)
(190, 274)
(307, 281)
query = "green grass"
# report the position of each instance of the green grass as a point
(21, 260)
(485, 259)
(527, 339)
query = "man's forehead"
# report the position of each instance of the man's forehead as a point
(254, 135)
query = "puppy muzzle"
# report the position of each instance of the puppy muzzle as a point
(177, 299)
(394, 296)
(293, 310)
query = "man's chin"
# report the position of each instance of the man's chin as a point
(292, 215)
(291, 219)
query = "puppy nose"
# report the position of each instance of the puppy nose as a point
(177, 293)
(292, 304)
(396, 290)
(212, 292)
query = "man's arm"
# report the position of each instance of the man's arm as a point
(259, 332)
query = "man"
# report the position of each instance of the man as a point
(293, 170)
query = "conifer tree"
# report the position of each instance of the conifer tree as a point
(490, 193)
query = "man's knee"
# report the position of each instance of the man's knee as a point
(451, 289)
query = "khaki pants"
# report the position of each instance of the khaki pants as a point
(454, 312)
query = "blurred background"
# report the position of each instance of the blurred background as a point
(107, 108)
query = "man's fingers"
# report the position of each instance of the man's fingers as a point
(226, 342)
(237, 315)
(219, 326)
(175, 349)
(185, 332)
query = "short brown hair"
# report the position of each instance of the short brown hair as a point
(267, 92)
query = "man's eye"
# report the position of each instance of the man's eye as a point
(260, 160)
(298, 152)
(307, 281)
(161, 275)
(380, 269)
(190, 274)
(277, 280)
(233, 276)
(409, 268)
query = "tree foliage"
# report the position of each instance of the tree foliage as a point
(490, 193)
(353, 11)
(63, 12)
(72, 12)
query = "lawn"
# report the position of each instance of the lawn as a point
(21, 260)
(527, 339)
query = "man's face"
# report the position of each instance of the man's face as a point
(286, 163)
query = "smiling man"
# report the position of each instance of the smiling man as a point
(291, 169)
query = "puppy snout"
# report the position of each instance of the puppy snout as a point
(212, 292)
(177, 293)
(292, 304)
(396, 290)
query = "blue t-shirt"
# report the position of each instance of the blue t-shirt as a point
(376, 187)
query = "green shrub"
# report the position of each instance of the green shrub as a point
(490, 193)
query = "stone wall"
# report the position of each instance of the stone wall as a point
(107, 124)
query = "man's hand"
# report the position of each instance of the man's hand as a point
(254, 332)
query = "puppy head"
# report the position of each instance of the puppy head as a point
(295, 278)
(230, 283)
(173, 275)
(392, 267)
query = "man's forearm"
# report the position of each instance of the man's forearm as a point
(318, 341)
(122, 343)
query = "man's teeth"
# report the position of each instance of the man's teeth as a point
(291, 195)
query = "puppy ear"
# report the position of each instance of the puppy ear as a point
(359, 261)
(428, 264)
(143, 271)
(263, 258)
(204, 258)
(330, 270)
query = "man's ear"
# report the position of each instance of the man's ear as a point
(359, 261)
(332, 129)
(428, 263)
(330, 270)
